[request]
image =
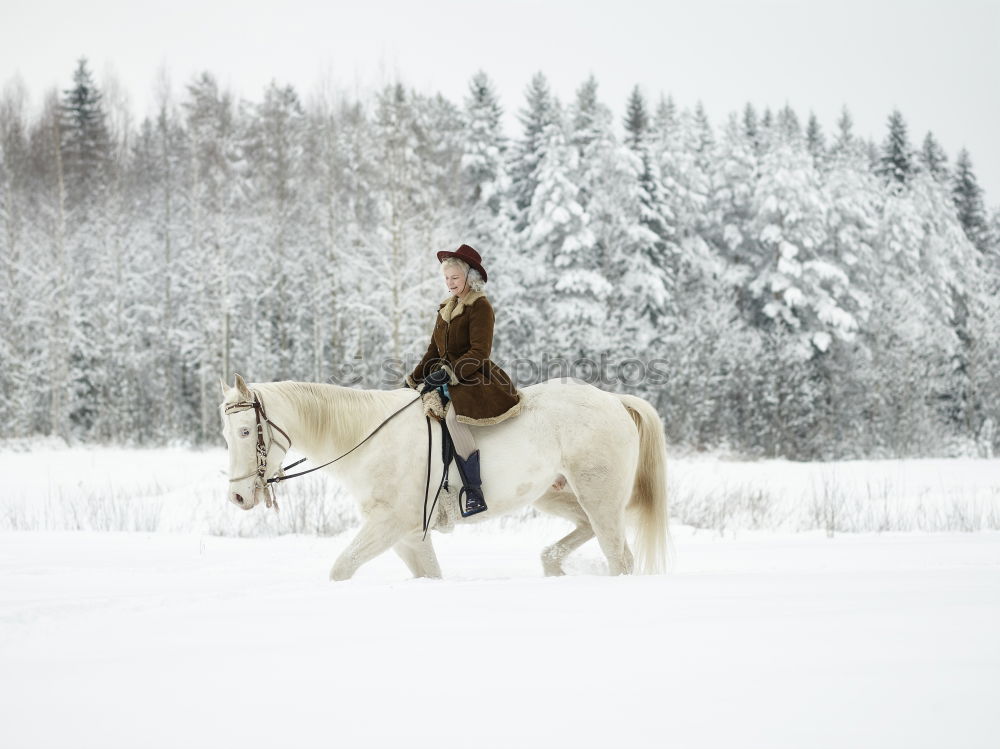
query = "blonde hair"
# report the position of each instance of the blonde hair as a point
(476, 282)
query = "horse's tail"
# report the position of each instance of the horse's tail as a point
(649, 493)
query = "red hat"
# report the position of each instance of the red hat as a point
(467, 254)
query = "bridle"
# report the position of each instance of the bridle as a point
(261, 481)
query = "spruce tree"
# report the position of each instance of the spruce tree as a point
(86, 146)
(767, 119)
(665, 119)
(751, 127)
(585, 113)
(539, 112)
(814, 138)
(559, 239)
(706, 138)
(588, 123)
(788, 124)
(637, 138)
(933, 158)
(636, 119)
(896, 161)
(484, 146)
(968, 198)
(845, 141)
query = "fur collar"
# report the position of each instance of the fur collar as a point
(452, 307)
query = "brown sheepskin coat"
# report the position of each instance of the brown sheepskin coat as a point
(460, 343)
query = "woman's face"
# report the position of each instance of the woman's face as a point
(454, 279)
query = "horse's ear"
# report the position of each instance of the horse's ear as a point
(242, 386)
(224, 386)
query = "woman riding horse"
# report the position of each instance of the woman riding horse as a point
(457, 363)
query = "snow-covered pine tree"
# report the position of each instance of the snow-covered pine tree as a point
(788, 126)
(583, 286)
(484, 168)
(928, 271)
(665, 119)
(968, 198)
(638, 292)
(791, 281)
(486, 201)
(751, 125)
(993, 253)
(656, 216)
(705, 136)
(685, 162)
(86, 162)
(767, 119)
(85, 145)
(567, 289)
(853, 199)
(933, 158)
(734, 179)
(815, 140)
(524, 273)
(897, 161)
(845, 141)
(540, 111)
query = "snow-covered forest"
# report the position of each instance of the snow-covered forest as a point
(777, 286)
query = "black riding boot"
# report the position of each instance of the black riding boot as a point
(468, 469)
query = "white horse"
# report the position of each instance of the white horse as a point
(606, 452)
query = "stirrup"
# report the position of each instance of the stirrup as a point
(474, 504)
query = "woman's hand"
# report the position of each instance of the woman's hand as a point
(435, 379)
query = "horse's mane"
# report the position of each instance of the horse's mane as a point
(328, 411)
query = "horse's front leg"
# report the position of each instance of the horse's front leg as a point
(418, 553)
(379, 533)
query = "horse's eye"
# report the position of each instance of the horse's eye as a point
(245, 432)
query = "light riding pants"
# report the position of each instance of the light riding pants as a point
(461, 434)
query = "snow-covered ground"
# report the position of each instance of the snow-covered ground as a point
(162, 640)
(762, 638)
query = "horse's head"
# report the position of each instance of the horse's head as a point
(248, 435)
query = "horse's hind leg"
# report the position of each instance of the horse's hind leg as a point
(601, 492)
(418, 555)
(564, 505)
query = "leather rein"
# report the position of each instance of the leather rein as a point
(262, 482)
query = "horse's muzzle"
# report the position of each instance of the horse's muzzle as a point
(244, 503)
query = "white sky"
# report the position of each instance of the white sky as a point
(938, 62)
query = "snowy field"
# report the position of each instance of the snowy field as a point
(204, 627)
(47, 486)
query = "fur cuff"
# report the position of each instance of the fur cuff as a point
(410, 382)
(452, 379)
(433, 406)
